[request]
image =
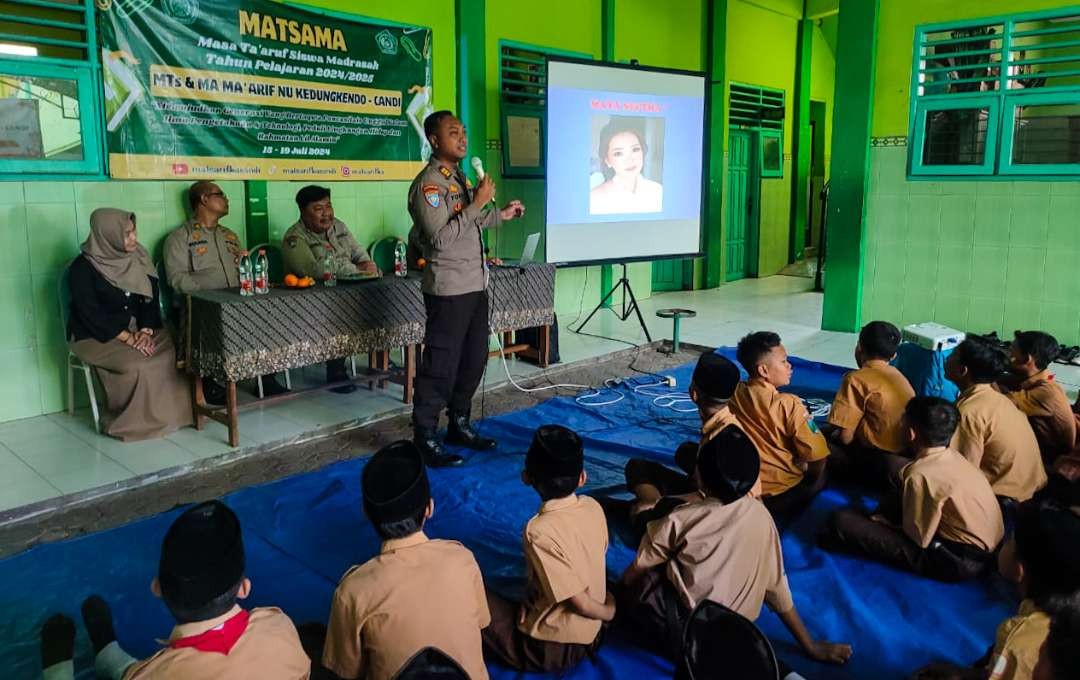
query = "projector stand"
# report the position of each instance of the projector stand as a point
(628, 292)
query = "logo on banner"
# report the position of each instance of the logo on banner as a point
(386, 42)
(184, 11)
(179, 168)
(345, 171)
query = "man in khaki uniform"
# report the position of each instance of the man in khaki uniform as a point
(993, 434)
(1035, 392)
(724, 548)
(945, 522)
(415, 593)
(317, 234)
(566, 598)
(448, 217)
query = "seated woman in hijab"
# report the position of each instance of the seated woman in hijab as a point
(116, 327)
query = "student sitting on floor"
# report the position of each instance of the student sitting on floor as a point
(792, 449)
(1043, 558)
(993, 434)
(200, 578)
(1036, 393)
(416, 593)
(566, 599)
(868, 411)
(1059, 657)
(945, 522)
(657, 488)
(725, 549)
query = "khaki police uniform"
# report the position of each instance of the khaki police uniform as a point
(996, 437)
(1048, 410)
(871, 401)
(565, 554)
(303, 251)
(415, 593)
(447, 228)
(268, 649)
(1017, 643)
(201, 258)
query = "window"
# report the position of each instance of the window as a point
(761, 109)
(49, 90)
(997, 97)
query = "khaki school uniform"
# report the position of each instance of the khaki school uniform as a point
(201, 258)
(945, 497)
(996, 437)
(782, 430)
(729, 554)
(416, 593)
(565, 554)
(1048, 410)
(1017, 643)
(268, 649)
(871, 401)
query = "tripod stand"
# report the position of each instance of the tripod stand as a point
(622, 284)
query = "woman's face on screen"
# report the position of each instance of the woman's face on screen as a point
(625, 154)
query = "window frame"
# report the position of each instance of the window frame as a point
(918, 136)
(1008, 135)
(762, 135)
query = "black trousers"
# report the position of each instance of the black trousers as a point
(858, 464)
(854, 532)
(455, 355)
(786, 507)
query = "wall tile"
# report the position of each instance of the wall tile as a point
(921, 268)
(954, 270)
(49, 192)
(1024, 278)
(960, 188)
(1060, 320)
(992, 220)
(52, 376)
(1063, 231)
(1030, 220)
(1062, 277)
(1065, 188)
(17, 311)
(1020, 315)
(988, 187)
(20, 390)
(951, 310)
(1031, 189)
(14, 242)
(11, 192)
(922, 188)
(889, 217)
(48, 327)
(924, 219)
(958, 219)
(988, 268)
(891, 268)
(102, 194)
(53, 241)
(892, 177)
(986, 314)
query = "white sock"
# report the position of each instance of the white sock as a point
(112, 661)
(65, 670)
(793, 676)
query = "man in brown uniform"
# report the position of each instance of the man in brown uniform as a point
(993, 434)
(724, 548)
(200, 578)
(791, 447)
(944, 523)
(448, 217)
(1035, 392)
(868, 410)
(566, 601)
(415, 593)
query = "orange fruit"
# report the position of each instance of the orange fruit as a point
(307, 282)
(291, 280)
(421, 263)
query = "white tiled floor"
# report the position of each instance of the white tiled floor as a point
(49, 456)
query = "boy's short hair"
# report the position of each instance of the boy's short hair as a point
(728, 465)
(715, 376)
(985, 362)
(311, 194)
(754, 347)
(1063, 642)
(933, 419)
(202, 563)
(396, 490)
(431, 123)
(1048, 547)
(879, 340)
(1042, 347)
(554, 461)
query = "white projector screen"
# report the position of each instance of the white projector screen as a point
(625, 149)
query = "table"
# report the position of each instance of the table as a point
(232, 338)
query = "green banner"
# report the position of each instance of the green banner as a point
(253, 89)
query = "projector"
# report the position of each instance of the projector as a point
(932, 336)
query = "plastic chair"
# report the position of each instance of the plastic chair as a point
(73, 362)
(276, 265)
(382, 253)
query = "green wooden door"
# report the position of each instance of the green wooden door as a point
(742, 206)
(667, 275)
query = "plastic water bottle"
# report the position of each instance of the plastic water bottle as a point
(401, 261)
(247, 283)
(262, 273)
(329, 276)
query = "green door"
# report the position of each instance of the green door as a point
(742, 206)
(667, 275)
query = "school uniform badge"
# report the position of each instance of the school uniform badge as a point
(431, 194)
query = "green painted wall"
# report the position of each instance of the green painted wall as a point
(823, 83)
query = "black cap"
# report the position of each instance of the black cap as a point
(395, 483)
(1048, 545)
(202, 555)
(715, 376)
(555, 452)
(310, 194)
(729, 464)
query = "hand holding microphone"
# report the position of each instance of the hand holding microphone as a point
(485, 193)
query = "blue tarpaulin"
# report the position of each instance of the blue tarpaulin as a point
(303, 532)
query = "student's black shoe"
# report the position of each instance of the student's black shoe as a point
(213, 392)
(57, 640)
(461, 433)
(97, 617)
(434, 454)
(271, 387)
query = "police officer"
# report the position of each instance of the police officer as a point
(447, 218)
(306, 244)
(203, 254)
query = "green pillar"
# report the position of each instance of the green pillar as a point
(469, 22)
(852, 119)
(607, 47)
(801, 142)
(255, 213)
(715, 62)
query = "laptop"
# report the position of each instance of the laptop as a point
(528, 253)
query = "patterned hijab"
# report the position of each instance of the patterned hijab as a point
(104, 248)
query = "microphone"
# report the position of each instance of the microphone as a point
(478, 168)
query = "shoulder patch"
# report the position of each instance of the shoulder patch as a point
(291, 241)
(445, 171)
(431, 195)
(230, 236)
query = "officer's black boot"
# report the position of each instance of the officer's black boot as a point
(432, 450)
(461, 432)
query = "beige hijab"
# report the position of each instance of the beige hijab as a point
(104, 248)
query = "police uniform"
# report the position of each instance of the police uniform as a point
(448, 228)
(201, 258)
(303, 250)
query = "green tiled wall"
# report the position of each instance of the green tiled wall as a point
(977, 256)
